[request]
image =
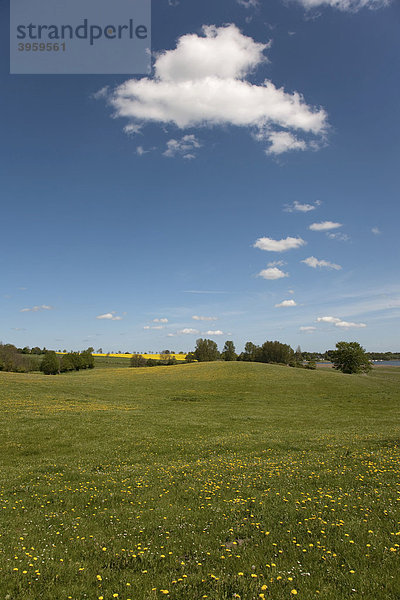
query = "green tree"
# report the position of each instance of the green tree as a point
(275, 352)
(229, 351)
(137, 360)
(190, 357)
(206, 350)
(350, 357)
(50, 364)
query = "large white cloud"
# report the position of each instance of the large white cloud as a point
(313, 262)
(204, 81)
(346, 5)
(270, 245)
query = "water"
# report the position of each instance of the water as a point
(387, 363)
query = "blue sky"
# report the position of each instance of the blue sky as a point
(179, 206)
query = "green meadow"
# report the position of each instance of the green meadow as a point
(213, 480)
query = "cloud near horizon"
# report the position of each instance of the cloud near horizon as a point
(339, 323)
(201, 318)
(204, 82)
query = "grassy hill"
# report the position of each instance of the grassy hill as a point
(219, 480)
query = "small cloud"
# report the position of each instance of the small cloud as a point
(102, 93)
(22, 288)
(37, 308)
(339, 323)
(170, 334)
(111, 316)
(270, 245)
(272, 273)
(18, 328)
(183, 147)
(215, 332)
(276, 263)
(140, 151)
(340, 237)
(324, 226)
(299, 207)
(313, 262)
(286, 303)
(283, 141)
(248, 3)
(376, 231)
(291, 291)
(188, 331)
(307, 329)
(201, 318)
(163, 320)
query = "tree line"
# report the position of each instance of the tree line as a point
(14, 360)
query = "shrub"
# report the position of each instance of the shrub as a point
(50, 364)
(137, 360)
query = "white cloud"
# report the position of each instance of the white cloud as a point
(183, 147)
(299, 207)
(204, 82)
(154, 327)
(283, 141)
(37, 308)
(346, 5)
(340, 237)
(200, 318)
(215, 332)
(248, 3)
(188, 331)
(324, 226)
(313, 262)
(163, 320)
(339, 323)
(307, 329)
(270, 245)
(376, 231)
(272, 273)
(111, 316)
(286, 303)
(276, 263)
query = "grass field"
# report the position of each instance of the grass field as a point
(218, 481)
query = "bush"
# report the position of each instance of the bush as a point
(50, 364)
(137, 360)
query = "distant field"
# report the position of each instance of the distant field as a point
(214, 480)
